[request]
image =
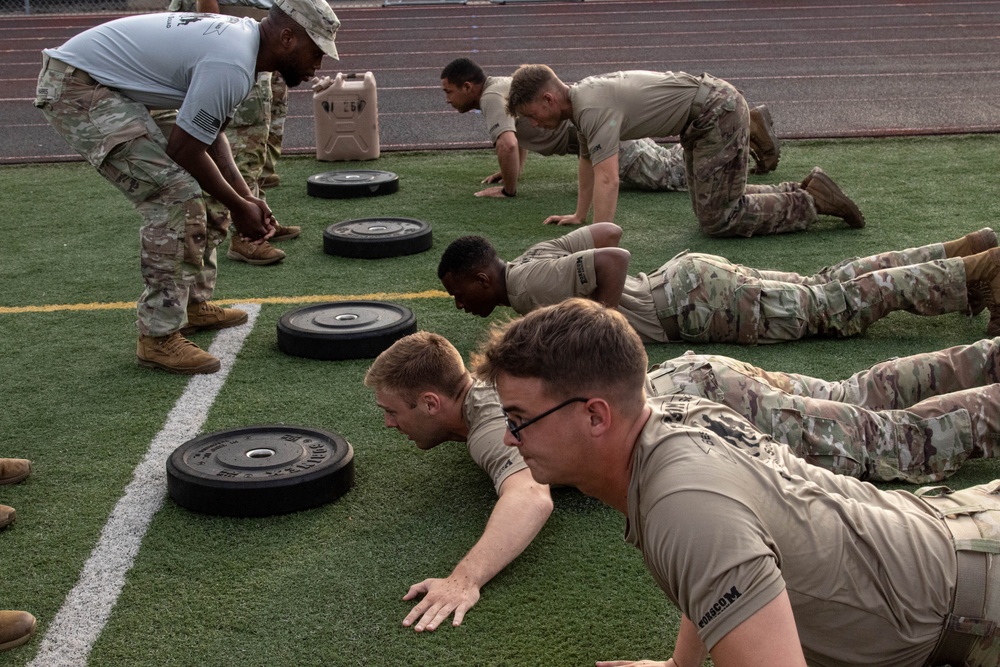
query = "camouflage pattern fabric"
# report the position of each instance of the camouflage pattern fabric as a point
(981, 504)
(119, 137)
(276, 131)
(915, 419)
(716, 150)
(718, 301)
(646, 165)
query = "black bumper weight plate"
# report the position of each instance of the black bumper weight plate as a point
(344, 329)
(348, 183)
(376, 238)
(260, 470)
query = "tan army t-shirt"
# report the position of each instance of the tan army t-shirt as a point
(553, 271)
(484, 417)
(493, 104)
(630, 105)
(726, 519)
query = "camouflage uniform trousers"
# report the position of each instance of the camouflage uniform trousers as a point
(646, 165)
(915, 419)
(276, 131)
(119, 137)
(716, 152)
(716, 301)
(979, 539)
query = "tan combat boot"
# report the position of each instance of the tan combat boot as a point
(16, 628)
(829, 199)
(175, 354)
(258, 253)
(984, 269)
(971, 244)
(7, 515)
(206, 316)
(13, 471)
(283, 233)
(764, 145)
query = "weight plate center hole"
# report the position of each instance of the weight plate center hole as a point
(261, 453)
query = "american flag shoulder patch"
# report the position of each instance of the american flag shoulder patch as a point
(207, 121)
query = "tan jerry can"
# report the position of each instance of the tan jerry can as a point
(347, 118)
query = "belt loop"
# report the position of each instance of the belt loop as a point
(700, 97)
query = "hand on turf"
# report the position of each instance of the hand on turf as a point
(441, 598)
(562, 220)
(493, 178)
(495, 191)
(633, 663)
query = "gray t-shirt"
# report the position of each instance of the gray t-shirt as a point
(630, 105)
(487, 428)
(202, 64)
(726, 518)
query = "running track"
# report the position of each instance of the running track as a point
(826, 68)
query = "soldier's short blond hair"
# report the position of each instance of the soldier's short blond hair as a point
(422, 361)
(528, 82)
(577, 348)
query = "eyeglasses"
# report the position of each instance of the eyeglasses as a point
(515, 429)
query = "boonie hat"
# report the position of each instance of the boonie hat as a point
(318, 20)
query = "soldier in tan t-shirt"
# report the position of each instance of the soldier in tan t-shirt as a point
(703, 298)
(642, 163)
(713, 122)
(425, 391)
(771, 561)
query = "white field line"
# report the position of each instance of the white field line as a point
(88, 606)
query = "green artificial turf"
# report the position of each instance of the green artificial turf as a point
(324, 586)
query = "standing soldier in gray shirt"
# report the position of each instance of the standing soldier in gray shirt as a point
(713, 121)
(97, 89)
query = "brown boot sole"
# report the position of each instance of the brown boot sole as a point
(993, 326)
(190, 329)
(981, 241)
(286, 237)
(14, 643)
(840, 206)
(206, 368)
(236, 257)
(767, 160)
(15, 480)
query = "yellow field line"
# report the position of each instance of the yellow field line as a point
(315, 298)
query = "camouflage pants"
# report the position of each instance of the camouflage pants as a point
(979, 537)
(914, 419)
(716, 150)
(119, 137)
(716, 301)
(276, 130)
(646, 165)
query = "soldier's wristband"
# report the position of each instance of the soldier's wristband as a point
(504, 192)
